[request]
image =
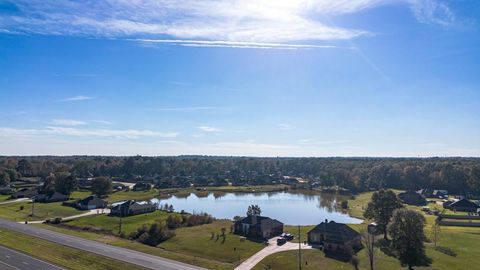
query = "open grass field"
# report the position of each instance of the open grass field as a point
(42, 211)
(4, 198)
(67, 257)
(129, 224)
(197, 241)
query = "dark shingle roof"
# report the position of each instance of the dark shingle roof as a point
(464, 203)
(264, 222)
(335, 232)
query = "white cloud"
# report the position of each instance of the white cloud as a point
(77, 132)
(103, 122)
(127, 133)
(228, 23)
(68, 122)
(209, 129)
(187, 109)
(284, 126)
(76, 98)
(432, 11)
(235, 44)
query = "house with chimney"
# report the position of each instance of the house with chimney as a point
(258, 227)
(335, 237)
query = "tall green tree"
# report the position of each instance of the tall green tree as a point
(4, 179)
(101, 186)
(49, 183)
(65, 184)
(24, 167)
(381, 208)
(408, 236)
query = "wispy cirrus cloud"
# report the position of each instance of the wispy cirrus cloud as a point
(236, 44)
(79, 132)
(68, 122)
(209, 129)
(188, 109)
(75, 98)
(284, 126)
(208, 23)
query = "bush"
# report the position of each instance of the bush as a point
(153, 235)
(344, 205)
(56, 220)
(174, 221)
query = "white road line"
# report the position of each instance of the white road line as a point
(9, 265)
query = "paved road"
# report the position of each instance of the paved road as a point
(14, 260)
(121, 254)
(268, 250)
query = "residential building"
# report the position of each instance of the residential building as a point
(258, 227)
(412, 198)
(462, 205)
(24, 193)
(91, 202)
(131, 207)
(335, 237)
(51, 197)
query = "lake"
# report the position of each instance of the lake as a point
(289, 208)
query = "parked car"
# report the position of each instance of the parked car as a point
(288, 237)
(281, 241)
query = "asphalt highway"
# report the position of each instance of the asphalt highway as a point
(14, 260)
(117, 253)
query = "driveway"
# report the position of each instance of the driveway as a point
(268, 250)
(16, 200)
(88, 213)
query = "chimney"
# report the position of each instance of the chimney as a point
(254, 219)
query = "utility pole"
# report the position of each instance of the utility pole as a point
(33, 205)
(120, 225)
(299, 249)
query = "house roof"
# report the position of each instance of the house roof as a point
(464, 203)
(263, 222)
(131, 205)
(335, 232)
(92, 200)
(52, 196)
(411, 197)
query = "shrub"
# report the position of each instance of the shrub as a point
(344, 205)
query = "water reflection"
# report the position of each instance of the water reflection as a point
(292, 208)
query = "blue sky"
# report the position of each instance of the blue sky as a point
(270, 78)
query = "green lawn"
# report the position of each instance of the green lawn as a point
(41, 211)
(60, 255)
(4, 198)
(191, 245)
(129, 224)
(196, 241)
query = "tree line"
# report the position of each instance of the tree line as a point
(457, 174)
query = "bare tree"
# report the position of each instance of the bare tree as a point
(368, 240)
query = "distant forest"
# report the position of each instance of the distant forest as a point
(458, 175)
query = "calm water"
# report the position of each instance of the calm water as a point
(289, 208)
